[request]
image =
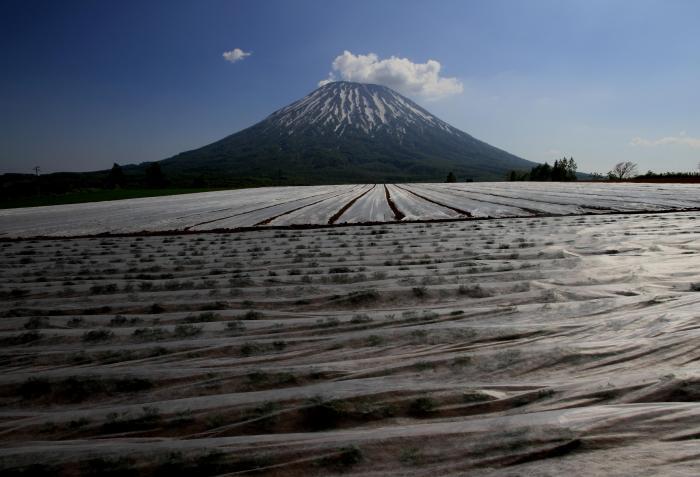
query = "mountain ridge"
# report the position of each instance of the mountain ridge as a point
(348, 132)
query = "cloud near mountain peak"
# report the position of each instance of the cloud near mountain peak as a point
(401, 74)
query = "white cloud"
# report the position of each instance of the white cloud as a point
(330, 79)
(235, 55)
(680, 139)
(400, 74)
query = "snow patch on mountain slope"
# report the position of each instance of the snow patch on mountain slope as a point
(341, 106)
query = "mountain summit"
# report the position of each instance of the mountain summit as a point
(367, 109)
(347, 132)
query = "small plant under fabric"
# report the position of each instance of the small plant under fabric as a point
(92, 336)
(422, 407)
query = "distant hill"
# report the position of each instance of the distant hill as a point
(347, 132)
(340, 133)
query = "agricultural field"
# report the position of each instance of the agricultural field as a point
(344, 204)
(559, 339)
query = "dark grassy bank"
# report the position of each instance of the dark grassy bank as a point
(97, 195)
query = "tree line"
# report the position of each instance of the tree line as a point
(153, 177)
(562, 170)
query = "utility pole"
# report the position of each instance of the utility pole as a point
(37, 169)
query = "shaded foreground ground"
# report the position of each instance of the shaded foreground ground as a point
(539, 346)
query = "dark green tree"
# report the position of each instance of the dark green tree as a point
(115, 178)
(541, 172)
(451, 177)
(518, 175)
(571, 169)
(559, 168)
(154, 175)
(563, 170)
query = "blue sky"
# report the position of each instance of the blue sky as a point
(85, 84)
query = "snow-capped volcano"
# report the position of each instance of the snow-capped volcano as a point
(339, 106)
(346, 132)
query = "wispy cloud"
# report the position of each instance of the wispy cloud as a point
(235, 55)
(681, 139)
(330, 79)
(400, 74)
